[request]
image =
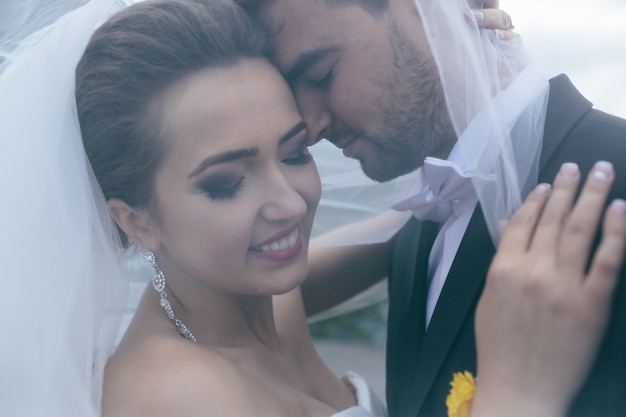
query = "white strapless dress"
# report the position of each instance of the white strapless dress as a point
(369, 405)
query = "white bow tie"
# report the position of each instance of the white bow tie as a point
(448, 191)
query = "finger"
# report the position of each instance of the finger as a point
(518, 232)
(506, 35)
(493, 19)
(557, 208)
(582, 224)
(491, 4)
(608, 259)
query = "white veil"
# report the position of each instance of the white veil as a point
(353, 208)
(496, 97)
(63, 288)
(20, 18)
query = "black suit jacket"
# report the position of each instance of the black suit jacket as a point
(420, 366)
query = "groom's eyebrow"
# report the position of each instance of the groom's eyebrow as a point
(306, 60)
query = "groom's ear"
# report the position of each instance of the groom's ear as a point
(137, 223)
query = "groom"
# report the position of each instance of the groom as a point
(365, 77)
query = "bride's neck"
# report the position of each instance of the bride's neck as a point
(229, 320)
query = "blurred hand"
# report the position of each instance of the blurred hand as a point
(491, 17)
(541, 316)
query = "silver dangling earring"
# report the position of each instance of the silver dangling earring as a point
(158, 282)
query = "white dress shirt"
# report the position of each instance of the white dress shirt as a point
(437, 172)
(460, 204)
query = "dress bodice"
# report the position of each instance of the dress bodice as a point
(368, 404)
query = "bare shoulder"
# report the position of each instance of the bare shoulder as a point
(171, 377)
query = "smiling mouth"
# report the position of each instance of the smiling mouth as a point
(280, 244)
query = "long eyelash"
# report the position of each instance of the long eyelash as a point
(301, 159)
(325, 82)
(224, 193)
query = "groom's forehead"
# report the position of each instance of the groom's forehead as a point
(298, 27)
(275, 15)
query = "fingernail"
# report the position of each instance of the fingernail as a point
(602, 170)
(618, 208)
(568, 170)
(543, 188)
(479, 16)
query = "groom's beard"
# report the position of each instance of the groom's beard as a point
(416, 120)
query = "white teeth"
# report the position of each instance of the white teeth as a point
(282, 244)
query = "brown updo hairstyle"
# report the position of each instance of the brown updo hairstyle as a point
(134, 57)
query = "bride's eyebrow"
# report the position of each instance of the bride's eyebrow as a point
(229, 156)
(292, 132)
(223, 157)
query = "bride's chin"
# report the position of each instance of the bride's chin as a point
(283, 286)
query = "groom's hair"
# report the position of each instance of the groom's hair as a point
(374, 7)
(127, 67)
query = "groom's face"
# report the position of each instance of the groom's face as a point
(363, 79)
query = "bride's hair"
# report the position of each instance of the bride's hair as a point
(130, 62)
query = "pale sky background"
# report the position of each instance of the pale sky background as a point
(584, 39)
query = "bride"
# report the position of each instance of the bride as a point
(195, 148)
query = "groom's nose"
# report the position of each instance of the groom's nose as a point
(315, 113)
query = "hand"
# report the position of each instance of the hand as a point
(541, 316)
(491, 17)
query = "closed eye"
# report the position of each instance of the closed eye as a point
(302, 159)
(325, 81)
(220, 189)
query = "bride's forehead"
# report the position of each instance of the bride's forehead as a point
(224, 92)
(246, 104)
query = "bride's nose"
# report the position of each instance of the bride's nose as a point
(282, 200)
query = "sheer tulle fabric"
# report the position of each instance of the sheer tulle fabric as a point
(475, 68)
(63, 286)
(496, 96)
(354, 209)
(21, 18)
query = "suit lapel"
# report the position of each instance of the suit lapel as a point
(407, 315)
(467, 274)
(455, 303)
(566, 106)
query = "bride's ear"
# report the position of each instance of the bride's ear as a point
(136, 223)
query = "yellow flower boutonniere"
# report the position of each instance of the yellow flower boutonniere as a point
(459, 400)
